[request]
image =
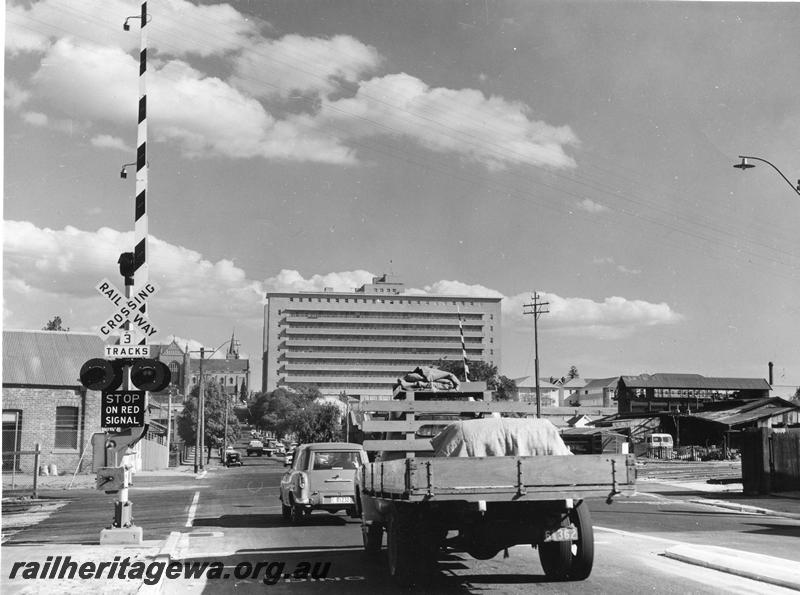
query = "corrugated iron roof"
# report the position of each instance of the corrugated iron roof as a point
(47, 358)
(221, 366)
(593, 383)
(694, 381)
(749, 412)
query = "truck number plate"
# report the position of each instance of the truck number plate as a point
(340, 500)
(563, 534)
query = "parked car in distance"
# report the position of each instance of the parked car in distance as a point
(322, 477)
(233, 457)
(255, 447)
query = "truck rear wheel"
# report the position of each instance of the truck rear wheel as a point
(412, 556)
(570, 560)
(582, 549)
(373, 538)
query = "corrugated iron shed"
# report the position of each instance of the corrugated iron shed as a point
(47, 358)
(693, 382)
(749, 412)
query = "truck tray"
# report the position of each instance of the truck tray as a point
(501, 478)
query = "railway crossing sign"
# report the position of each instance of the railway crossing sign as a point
(128, 309)
(122, 409)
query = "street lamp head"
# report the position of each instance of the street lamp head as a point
(123, 172)
(743, 165)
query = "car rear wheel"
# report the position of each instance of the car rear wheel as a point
(297, 513)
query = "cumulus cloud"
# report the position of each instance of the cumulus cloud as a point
(458, 288)
(106, 141)
(15, 95)
(203, 114)
(607, 260)
(612, 318)
(291, 280)
(177, 30)
(50, 269)
(48, 272)
(246, 107)
(35, 118)
(303, 65)
(590, 206)
(488, 130)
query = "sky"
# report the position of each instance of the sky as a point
(581, 150)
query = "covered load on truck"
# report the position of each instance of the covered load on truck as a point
(450, 474)
(499, 437)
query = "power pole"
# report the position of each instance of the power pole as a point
(537, 308)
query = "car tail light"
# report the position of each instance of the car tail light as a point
(301, 480)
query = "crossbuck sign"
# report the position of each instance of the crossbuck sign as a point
(128, 309)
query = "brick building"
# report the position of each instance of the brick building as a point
(44, 402)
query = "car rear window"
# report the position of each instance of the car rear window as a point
(337, 459)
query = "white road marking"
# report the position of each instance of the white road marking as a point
(192, 509)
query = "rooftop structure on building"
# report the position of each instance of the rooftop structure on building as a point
(360, 342)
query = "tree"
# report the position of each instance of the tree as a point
(797, 395)
(573, 373)
(243, 392)
(215, 403)
(504, 388)
(317, 422)
(54, 325)
(276, 411)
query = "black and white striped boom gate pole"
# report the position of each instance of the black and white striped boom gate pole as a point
(140, 251)
(136, 274)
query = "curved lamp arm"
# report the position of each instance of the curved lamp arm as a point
(744, 165)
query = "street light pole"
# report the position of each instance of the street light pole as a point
(198, 448)
(201, 410)
(745, 165)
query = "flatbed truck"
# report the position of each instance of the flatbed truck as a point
(479, 505)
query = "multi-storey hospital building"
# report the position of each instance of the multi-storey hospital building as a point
(360, 342)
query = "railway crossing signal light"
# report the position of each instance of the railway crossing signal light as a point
(101, 374)
(150, 374)
(107, 375)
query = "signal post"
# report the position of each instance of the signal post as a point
(123, 408)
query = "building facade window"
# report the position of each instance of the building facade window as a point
(12, 438)
(66, 428)
(174, 373)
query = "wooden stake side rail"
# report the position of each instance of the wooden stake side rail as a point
(501, 478)
(455, 407)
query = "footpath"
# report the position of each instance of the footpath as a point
(44, 561)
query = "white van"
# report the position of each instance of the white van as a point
(659, 446)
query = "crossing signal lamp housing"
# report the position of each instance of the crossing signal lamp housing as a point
(150, 374)
(107, 375)
(102, 374)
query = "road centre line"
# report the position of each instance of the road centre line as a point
(193, 509)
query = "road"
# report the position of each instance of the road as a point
(232, 518)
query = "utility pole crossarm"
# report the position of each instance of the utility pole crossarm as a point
(537, 308)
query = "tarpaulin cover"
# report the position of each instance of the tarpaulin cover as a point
(499, 437)
(425, 378)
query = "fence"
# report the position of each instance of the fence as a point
(154, 455)
(21, 472)
(770, 461)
